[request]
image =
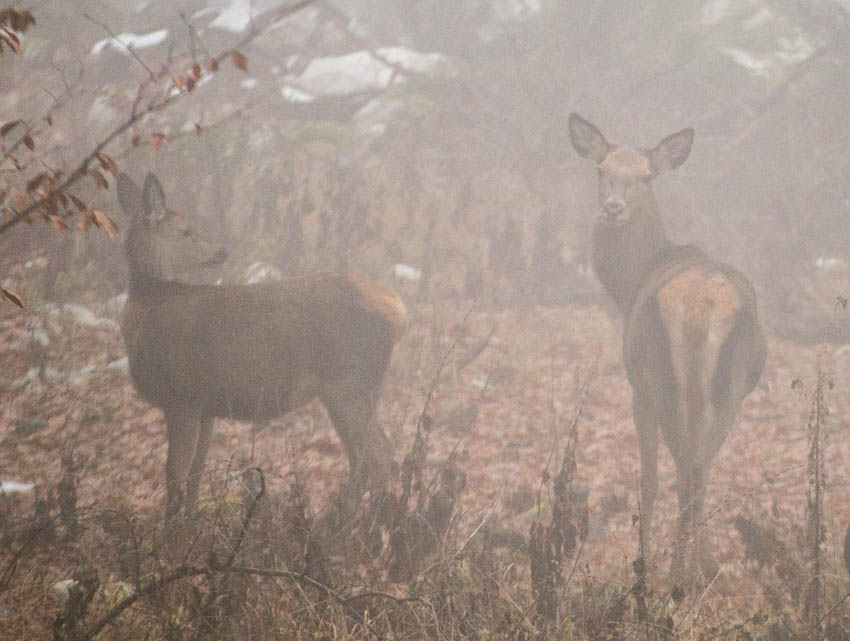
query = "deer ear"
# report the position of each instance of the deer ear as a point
(153, 194)
(587, 140)
(672, 151)
(129, 196)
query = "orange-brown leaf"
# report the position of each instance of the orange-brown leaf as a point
(10, 213)
(12, 40)
(84, 220)
(105, 223)
(212, 64)
(29, 142)
(198, 129)
(13, 160)
(79, 204)
(157, 141)
(60, 224)
(20, 19)
(98, 179)
(19, 196)
(37, 181)
(108, 164)
(14, 297)
(6, 128)
(239, 60)
(49, 208)
(136, 140)
(197, 71)
(178, 81)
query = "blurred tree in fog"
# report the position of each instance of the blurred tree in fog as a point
(432, 134)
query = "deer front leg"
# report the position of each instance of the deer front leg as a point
(197, 469)
(183, 429)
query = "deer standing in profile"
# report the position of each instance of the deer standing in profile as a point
(249, 352)
(692, 345)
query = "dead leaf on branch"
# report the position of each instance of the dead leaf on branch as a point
(11, 39)
(29, 142)
(98, 179)
(60, 224)
(108, 164)
(16, 18)
(79, 204)
(20, 197)
(6, 128)
(239, 60)
(105, 223)
(39, 181)
(84, 220)
(178, 82)
(157, 141)
(8, 294)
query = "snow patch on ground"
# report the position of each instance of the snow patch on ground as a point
(234, 17)
(516, 10)
(714, 11)
(84, 316)
(363, 71)
(758, 19)
(401, 271)
(794, 50)
(295, 95)
(758, 66)
(12, 487)
(261, 272)
(137, 41)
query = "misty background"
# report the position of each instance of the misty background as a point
(432, 134)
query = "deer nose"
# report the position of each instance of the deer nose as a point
(612, 209)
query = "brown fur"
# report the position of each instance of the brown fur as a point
(251, 352)
(692, 343)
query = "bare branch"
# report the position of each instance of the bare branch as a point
(156, 105)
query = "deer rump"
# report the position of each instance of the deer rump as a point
(254, 352)
(720, 353)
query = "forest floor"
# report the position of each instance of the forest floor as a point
(506, 416)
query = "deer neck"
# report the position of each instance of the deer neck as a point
(142, 260)
(624, 256)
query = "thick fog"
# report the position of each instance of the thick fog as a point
(502, 192)
(434, 135)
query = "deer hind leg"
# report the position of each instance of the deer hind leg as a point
(351, 407)
(183, 430)
(195, 472)
(706, 427)
(647, 432)
(691, 476)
